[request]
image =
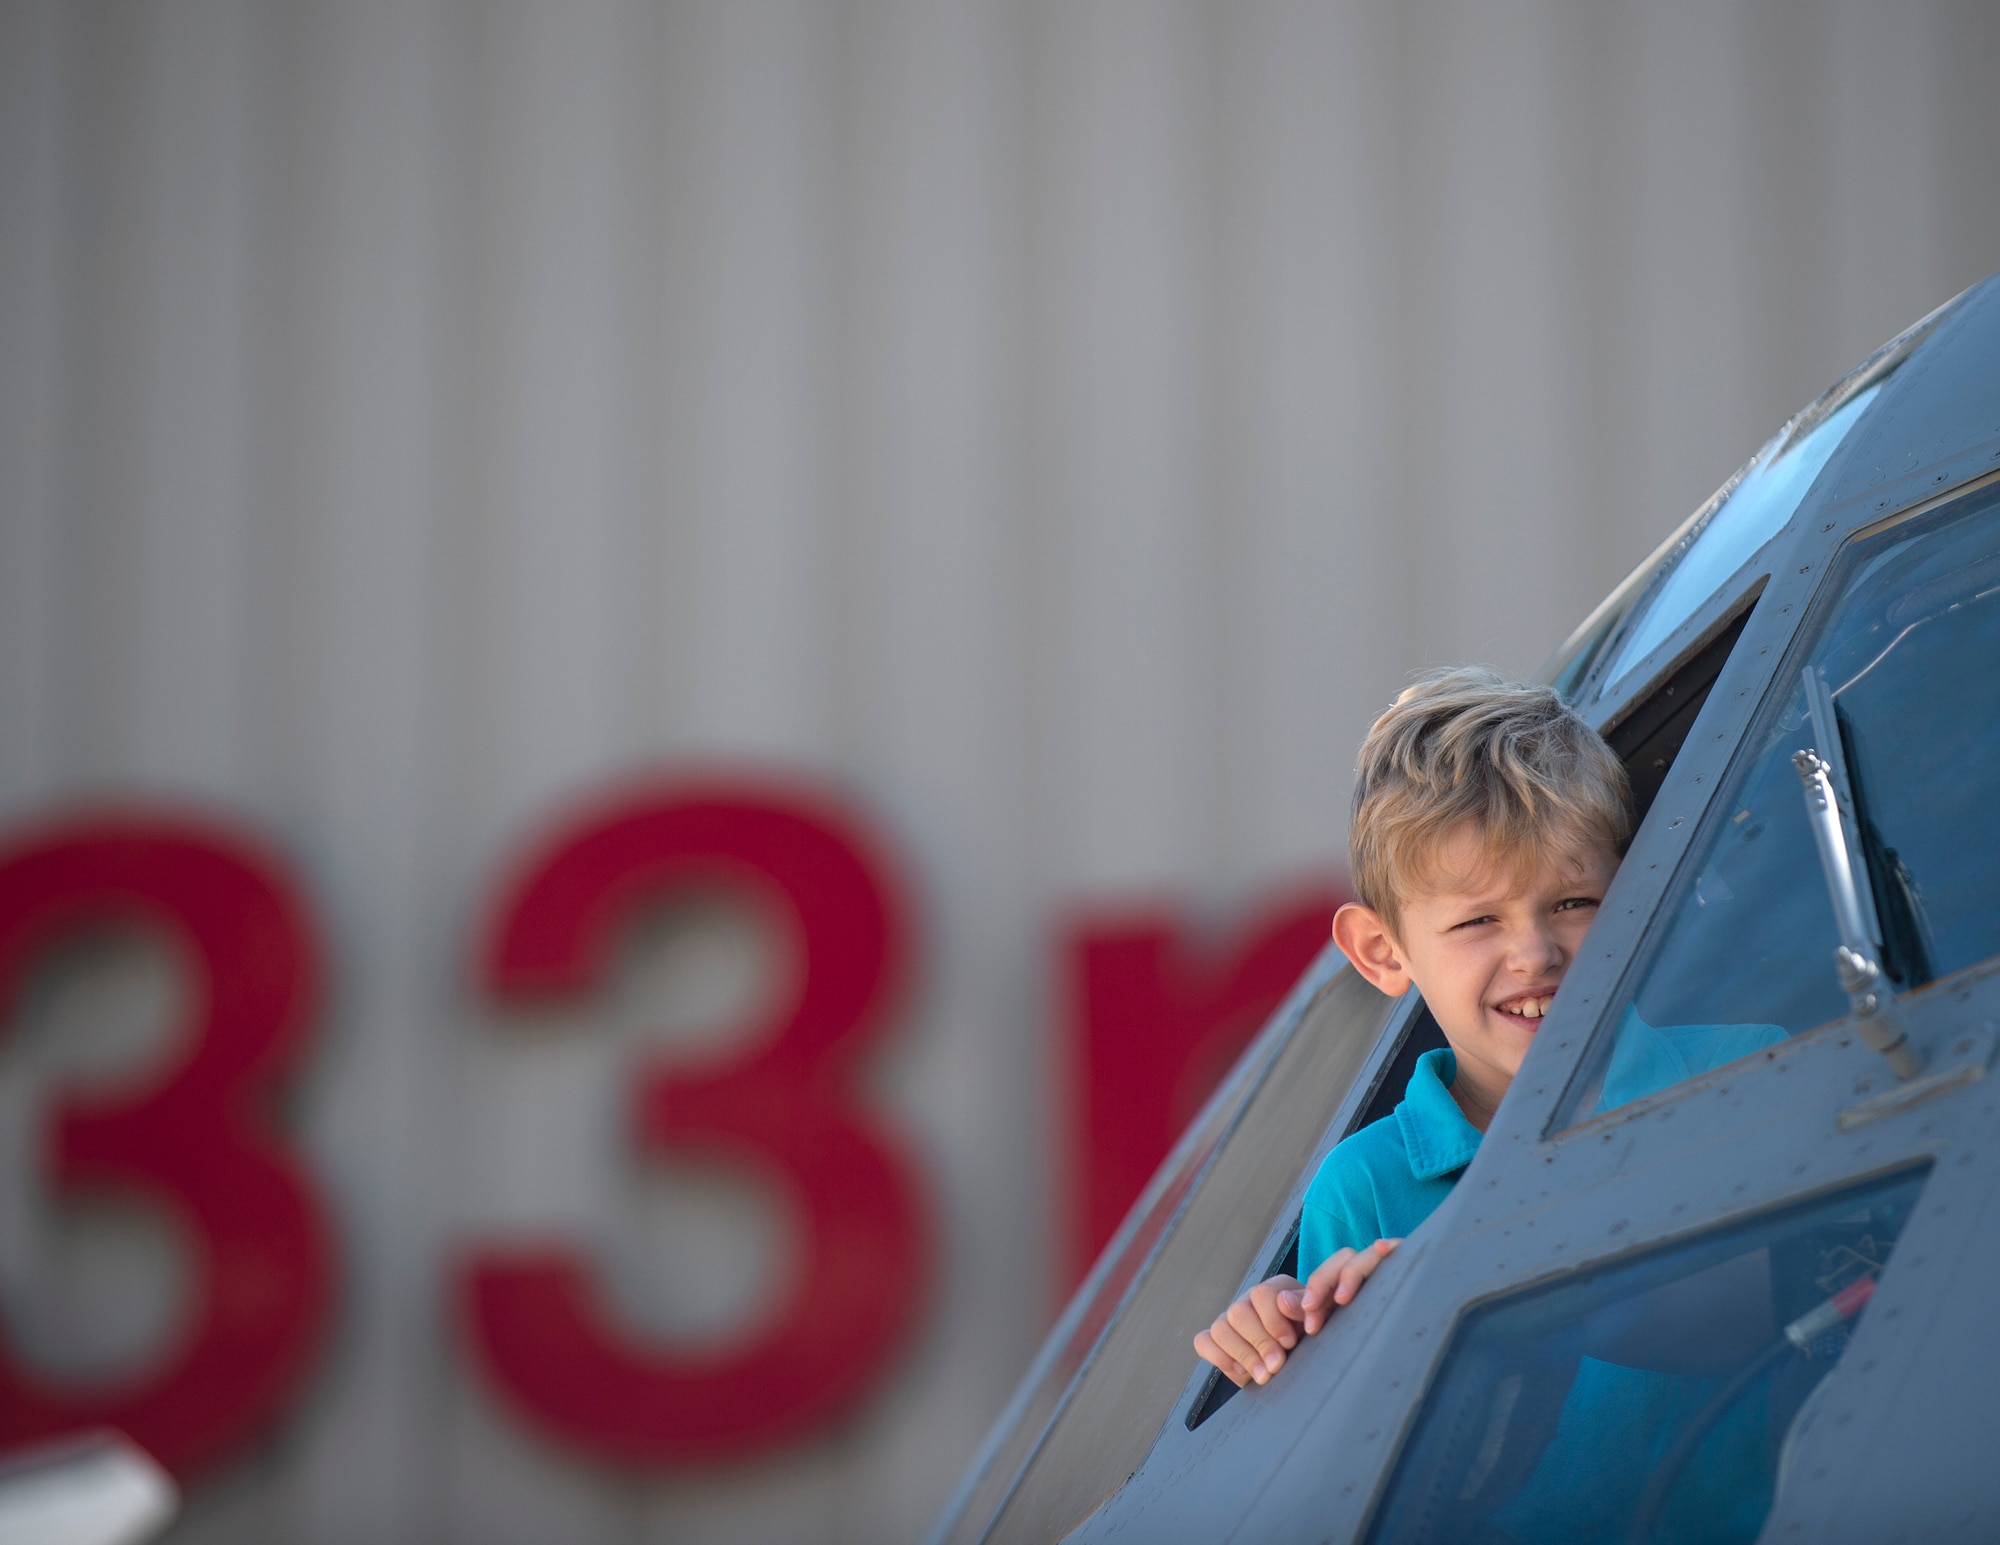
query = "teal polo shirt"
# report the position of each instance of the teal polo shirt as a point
(1617, 1422)
(1392, 1174)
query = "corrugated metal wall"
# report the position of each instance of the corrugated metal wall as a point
(1058, 426)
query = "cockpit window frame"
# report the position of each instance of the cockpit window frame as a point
(1803, 623)
(1525, 1142)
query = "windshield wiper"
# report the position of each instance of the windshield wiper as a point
(1908, 948)
(1856, 959)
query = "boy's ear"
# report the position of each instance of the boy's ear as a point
(1364, 939)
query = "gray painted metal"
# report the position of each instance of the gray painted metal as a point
(1901, 1448)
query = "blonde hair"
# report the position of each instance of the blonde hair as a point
(1466, 744)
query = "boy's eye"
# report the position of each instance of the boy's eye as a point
(1574, 902)
(1474, 922)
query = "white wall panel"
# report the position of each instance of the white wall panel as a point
(1311, 482)
(563, 128)
(194, 370)
(95, 650)
(1671, 301)
(1056, 427)
(31, 395)
(936, 640)
(1884, 245)
(753, 146)
(354, 479)
(1124, 457)
(1497, 335)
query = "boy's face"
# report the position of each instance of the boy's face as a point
(1487, 947)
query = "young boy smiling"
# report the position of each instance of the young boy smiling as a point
(1488, 821)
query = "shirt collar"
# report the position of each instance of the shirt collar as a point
(1436, 1135)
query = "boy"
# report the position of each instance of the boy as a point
(1488, 821)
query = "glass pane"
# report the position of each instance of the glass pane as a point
(1569, 667)
(1573, 664)
(1911, 654)
(1654, 1400)
(1777, 479)
(1100, 1394)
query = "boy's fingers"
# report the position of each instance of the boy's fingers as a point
(1238, 1342)
(1337, 1279)
(1360, 1269)
(1319, 1286)
(1268, 1300)
(1206, 1349)
(1266, 1351)
(1357, 1271)
(1248, 1342)
(1316, 1297)
(1287, 1295)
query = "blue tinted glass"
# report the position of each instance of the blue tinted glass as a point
(1569, 667)
(1572, 663)
(1659, 1399)
(1911, 654)
(1754, 513)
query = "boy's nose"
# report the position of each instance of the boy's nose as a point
(1540, 951)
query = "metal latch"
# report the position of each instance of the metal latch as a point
(1962, 1060)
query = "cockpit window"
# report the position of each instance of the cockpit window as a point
(1911, 657)
(1753, 512)
(1660, 1399)
(1714, 542)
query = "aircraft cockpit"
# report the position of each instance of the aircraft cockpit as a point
(1744, 1187)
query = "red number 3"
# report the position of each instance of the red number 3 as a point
(784, 1104)
(195, 1140)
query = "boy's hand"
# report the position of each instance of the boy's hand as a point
(1249, 1341)
(1335, 1282)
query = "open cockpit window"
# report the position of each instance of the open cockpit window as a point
(1650, 736)
(1419, 1034)
(1909, 654)
(1661, 1398)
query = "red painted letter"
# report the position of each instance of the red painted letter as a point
(1157, 1021)
(784, 1103)
(196, 1140)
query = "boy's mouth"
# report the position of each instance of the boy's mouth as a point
(1529, 1008)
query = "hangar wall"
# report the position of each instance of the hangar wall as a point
(1055, 428)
